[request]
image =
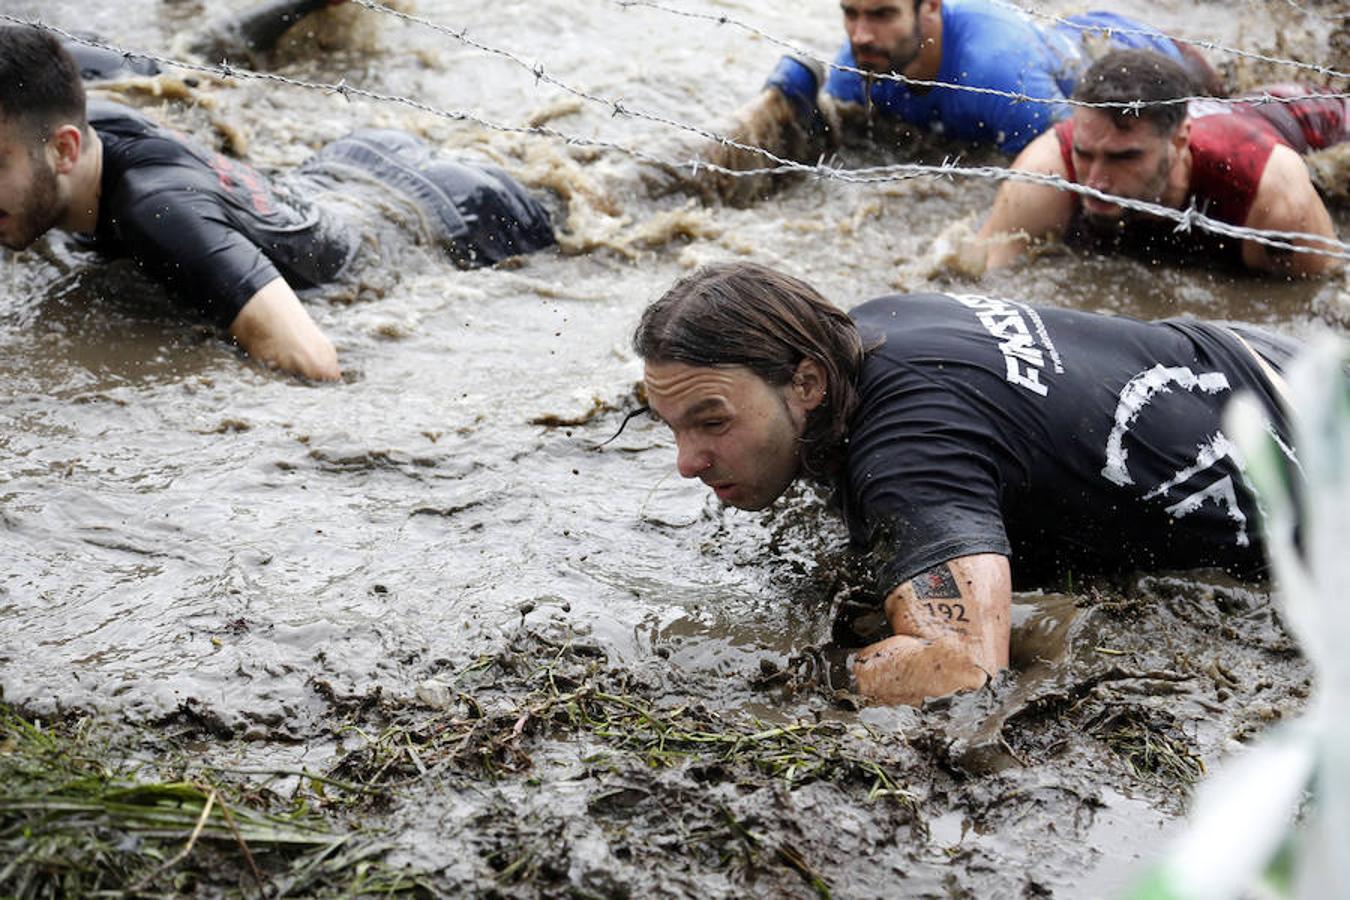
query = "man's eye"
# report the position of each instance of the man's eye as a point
(713, 424)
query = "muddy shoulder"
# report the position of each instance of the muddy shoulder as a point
(545, 769)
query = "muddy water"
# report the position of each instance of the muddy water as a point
(183, 531)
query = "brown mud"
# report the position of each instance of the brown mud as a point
(545, 769)
(426, 622)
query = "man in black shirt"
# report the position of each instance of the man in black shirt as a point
(230, 244)
(968, 436)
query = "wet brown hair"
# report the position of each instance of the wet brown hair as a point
(746, 314)
(1124, 76)
(40, 86)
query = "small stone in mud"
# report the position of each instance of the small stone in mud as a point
(847, 700)
(435, 694)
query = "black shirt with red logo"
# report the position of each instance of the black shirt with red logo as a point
(213, 229)
(1068, 441)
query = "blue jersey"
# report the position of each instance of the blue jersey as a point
(987, 45)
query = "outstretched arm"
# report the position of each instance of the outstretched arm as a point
(1024, 212)
(952, 626)
(274, 328)
(1287, 201)
(786, 119)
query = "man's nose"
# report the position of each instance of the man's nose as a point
(858, 30)
(1098, 177)
(691, 458)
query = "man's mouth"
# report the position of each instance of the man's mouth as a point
(868, 58)
(1101, 208)
(723, 489)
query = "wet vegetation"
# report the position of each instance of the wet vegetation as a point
(543, 769)
(79, 816)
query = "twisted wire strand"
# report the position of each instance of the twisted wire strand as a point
(1185, 219)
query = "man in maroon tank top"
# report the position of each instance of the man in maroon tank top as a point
(1237, 162)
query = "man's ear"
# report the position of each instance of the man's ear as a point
(809, 383)
(1181, 138)
(64, 146)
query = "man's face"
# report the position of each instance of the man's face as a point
(29, 198)
(1132, 162)
(733, 430)
(885, 34)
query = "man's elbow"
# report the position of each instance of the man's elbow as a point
(904, 669)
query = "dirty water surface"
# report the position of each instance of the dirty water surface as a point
(424, 614)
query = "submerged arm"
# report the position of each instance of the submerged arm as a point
(274, 328)
(1287, 201)
(1024, 212)
(952, 626)
(785, 119)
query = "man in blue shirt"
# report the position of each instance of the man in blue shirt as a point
(899, 49)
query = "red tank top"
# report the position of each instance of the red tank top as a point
(1229, 153)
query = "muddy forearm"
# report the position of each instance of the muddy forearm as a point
(907, 669)
(952, 626)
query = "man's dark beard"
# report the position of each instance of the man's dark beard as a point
(38, 213)
(1106, 226)
(895, 62)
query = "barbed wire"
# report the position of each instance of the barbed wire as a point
(616, 106)
(1015, 96)
(1194, 42)
(1185, 219)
